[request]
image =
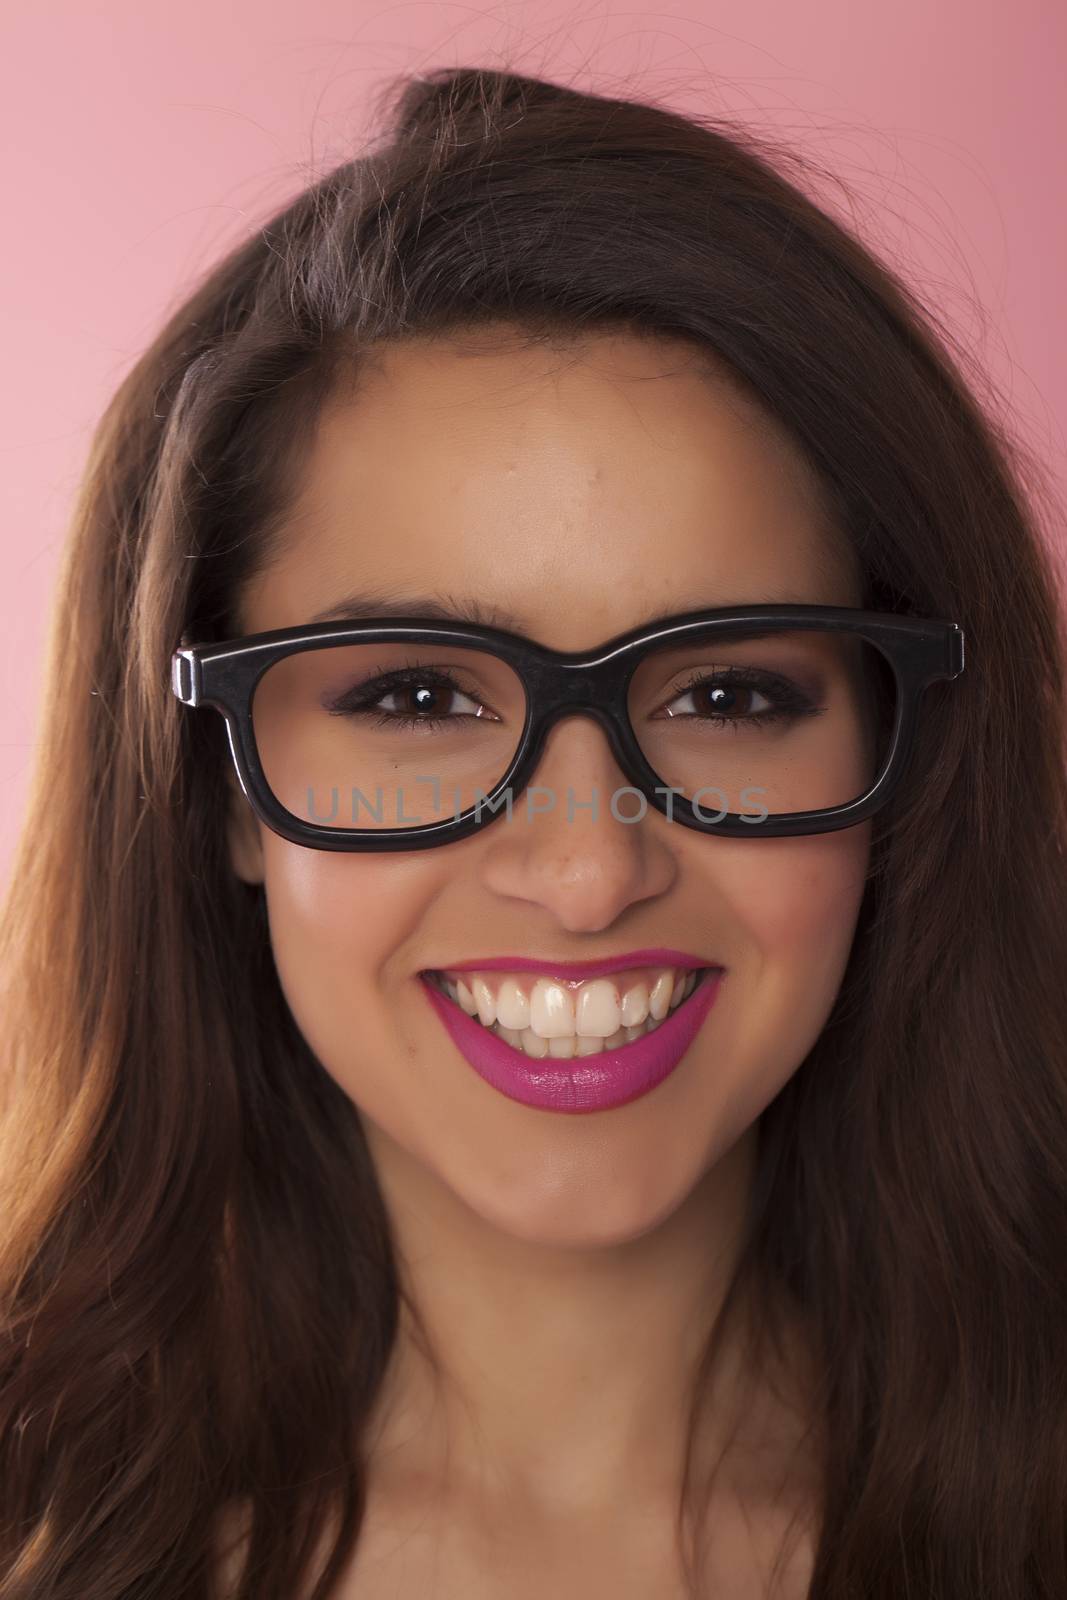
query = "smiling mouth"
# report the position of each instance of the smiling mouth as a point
(571, 1045)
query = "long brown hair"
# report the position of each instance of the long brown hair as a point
(199, 1285)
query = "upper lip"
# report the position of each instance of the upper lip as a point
(657, 957)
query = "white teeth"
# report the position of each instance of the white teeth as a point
(634, 1005)
(553, 1020)
(551, 1010)
(512, 1006)
(598, 1012)
(483, 999)
(660, 998)
(573, 1047)
(464, 996)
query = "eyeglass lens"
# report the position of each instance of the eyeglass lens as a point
(407, 735)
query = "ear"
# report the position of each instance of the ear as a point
(243, 833)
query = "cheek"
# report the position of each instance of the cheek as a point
(790, 908)
(797, 901)
(336, 922)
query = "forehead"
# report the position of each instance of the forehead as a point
(575, 492)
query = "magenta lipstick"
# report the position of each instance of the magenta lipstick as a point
(596, 1082)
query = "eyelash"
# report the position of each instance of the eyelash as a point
(793, 702)
(402, 678)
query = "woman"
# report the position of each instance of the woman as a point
(535, 1009)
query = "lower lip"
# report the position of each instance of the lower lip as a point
(585, 1083)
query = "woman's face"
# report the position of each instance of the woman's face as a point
(582, 494)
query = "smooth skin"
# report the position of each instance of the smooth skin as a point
(567, 1266)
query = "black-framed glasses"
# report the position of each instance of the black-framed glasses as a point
(749, 722)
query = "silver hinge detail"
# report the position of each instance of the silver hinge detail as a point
(185, 677)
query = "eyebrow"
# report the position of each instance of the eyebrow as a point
(360, 607)
(434, 608)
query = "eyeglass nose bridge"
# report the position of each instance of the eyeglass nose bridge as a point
(591, 690)
(561, 687)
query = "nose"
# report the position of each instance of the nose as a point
(580, 843)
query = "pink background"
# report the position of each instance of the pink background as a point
(141, 140)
